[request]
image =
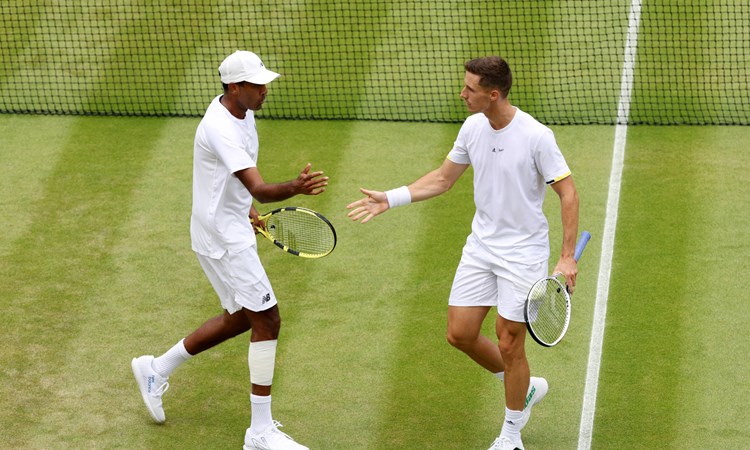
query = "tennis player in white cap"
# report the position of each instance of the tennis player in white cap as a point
(226, 180)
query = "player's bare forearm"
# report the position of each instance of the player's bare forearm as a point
(306, 183)
(430, 185)
(569, 207)
(437, 182)
(569, 213)
(276, 192)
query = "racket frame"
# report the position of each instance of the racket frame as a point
(580, 246)
(264, 232)
(553, 279)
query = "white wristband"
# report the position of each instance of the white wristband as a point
(398, 197)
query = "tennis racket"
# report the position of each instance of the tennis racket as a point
(299, 231)
(547, 310)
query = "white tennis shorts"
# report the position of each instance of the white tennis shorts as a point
(239, 280)
(483, 279)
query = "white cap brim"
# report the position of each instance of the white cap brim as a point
(264, 77)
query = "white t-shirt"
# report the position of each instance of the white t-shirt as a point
(512, 168)
(221, 203)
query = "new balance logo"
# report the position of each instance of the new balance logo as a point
(260, 444)
(266, 298)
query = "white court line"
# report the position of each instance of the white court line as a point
(610, 223)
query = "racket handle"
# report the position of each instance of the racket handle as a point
(582, 241)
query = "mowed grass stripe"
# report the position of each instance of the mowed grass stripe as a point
(335, 324)
(25, 166)
(429, 382)
(697, 337)
(719, 233)
(663, 340)
(23, 185)
(142, 302)
(54, 267)
(364, 281)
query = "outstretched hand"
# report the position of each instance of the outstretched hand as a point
(311, 183)
(373, 204)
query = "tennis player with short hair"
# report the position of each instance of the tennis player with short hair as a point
(514, 158)
(225, 182)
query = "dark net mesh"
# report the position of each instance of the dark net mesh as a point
(379, 59)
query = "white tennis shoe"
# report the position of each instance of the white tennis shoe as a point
(538, 388)
(152, 386)
(504, 443)
(271, 439)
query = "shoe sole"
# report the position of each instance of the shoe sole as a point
(248, 447)
(140, 379)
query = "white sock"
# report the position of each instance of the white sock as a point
(260, 418)
(500, 376)
(511, 425)
(168, 362)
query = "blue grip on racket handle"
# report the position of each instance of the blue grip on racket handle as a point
(582, 241)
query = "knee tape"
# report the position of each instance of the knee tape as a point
(261, 359)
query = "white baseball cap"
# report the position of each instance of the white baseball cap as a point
(245, 66)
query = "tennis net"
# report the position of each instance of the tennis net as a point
(378, 59)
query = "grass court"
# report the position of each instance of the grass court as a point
(96, 268)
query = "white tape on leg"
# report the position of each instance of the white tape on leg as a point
(261, 358)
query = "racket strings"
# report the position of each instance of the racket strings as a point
(548, 310)
(302, 232)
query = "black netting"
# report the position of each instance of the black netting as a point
(378, 59)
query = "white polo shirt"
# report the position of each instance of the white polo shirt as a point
(512, 168)
(221, 203)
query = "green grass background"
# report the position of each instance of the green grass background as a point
(96, 268)
(674, 360)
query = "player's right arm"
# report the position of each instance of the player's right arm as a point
(437, 182)
(306, 183)
(430, 185)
